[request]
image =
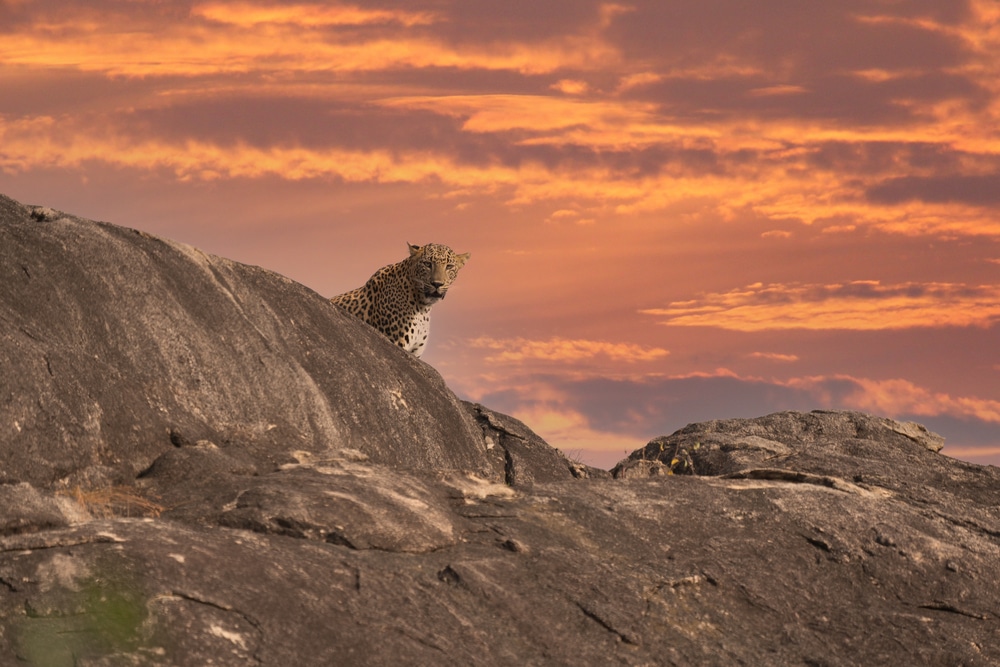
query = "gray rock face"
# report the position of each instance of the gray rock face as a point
(151, 515)
(116, 347)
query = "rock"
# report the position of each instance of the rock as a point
(339, 501)
(150, 514)
(26, 510)
(117, 347)
(856, 446)
(524, 456)
(919, 434)
(769, 569)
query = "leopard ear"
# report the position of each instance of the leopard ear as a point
(414, 249)
(463, 258)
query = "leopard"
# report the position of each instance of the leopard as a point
(397, 299)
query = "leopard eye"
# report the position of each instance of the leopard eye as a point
(450, 266)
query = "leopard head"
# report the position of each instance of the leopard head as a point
(433, 268)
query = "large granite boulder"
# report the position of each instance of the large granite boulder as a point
(117, 347)
(203, 463)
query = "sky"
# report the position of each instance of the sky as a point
(677, 211)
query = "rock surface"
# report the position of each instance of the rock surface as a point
(151, 514)
(117, 347)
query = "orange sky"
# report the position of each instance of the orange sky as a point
(676, 211)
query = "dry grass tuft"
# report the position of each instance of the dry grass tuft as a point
(113, 501)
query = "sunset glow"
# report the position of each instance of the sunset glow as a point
(676, 211)
(861, 305)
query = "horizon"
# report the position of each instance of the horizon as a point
(675, 213)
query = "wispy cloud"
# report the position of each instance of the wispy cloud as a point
(859, 305)
(50, 142)
(249, 14)
(246, 38)
(71, 142)
(593, 111)
(559, 120)
(902, 397)
(565, 350)
(774, 356)
(780, 89)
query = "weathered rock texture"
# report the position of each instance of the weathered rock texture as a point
(117, 347)
(150, 514)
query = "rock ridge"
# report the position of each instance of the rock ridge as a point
(202, 462)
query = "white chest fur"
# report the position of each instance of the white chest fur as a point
(417, 333)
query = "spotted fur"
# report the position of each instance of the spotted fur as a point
(397, 300)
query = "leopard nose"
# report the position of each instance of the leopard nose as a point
(437, 283)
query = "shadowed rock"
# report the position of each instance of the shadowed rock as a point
(525, 457)
(205, 463)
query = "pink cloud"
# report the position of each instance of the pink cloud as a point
(857, 305)
(565, 350)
